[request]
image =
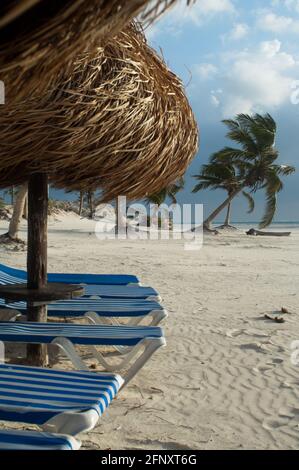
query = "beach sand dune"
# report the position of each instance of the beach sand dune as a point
(225, 379)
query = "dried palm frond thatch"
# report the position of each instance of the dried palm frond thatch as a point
(39, 37)
(121, 122)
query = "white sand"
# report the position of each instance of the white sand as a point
(225, 379)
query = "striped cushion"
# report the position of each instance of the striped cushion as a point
(29, 332)
(104, 291)
(104, 307)
(98, 279)
(31, 440)
(35, 395)
(123, 292)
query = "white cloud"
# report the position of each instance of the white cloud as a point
(270, 21)
(196, 14)
(293, 4)
(239, 31)
(270, 48)
(257, 80)
(206, 71)
(201, 10)
(212, 7)
(290, 4)
(215, 100)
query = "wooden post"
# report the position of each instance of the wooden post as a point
(37, 257)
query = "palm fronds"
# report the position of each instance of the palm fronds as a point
(39, 39)
(120, 121)
(170, 192)
(250, 200)
(217, 176)
(272, 185)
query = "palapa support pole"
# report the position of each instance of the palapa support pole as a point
(37, 257)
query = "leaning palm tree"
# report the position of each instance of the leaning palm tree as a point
(256, 159)
(221, 176)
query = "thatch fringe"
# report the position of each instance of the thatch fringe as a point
(39, 37)
(121, 122)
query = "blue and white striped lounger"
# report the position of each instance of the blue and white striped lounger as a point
(95, 279)
(66, 335)
(67, 402)
(97, 311)
(11, 439)
(135, 309)
(120, 292)
(109, 291)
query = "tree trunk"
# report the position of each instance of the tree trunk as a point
(208, 220)
(17, 213)
(116, 217)
(227, 219)
(81, 202)
(12, 195)
(37, 257)
(25, 211)
(90, 203)
(120, 220)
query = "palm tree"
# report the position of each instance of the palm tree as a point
(87, 200)
(81, 202)
(255, 160)
(120, 218)
(221, 176)
(18, 210)
(90, 202)
(168, 192)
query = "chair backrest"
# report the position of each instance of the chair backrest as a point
(11, 276)
(11, 439)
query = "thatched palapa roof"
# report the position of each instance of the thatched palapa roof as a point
(121, 122)
(39, 37)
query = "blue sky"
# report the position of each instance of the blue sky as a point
(237, 56)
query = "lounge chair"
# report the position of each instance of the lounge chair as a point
(99, 310)
(105, 291)
(95, 279)
(132, 340)
(113, 302)
(10, 439)
(67, 402)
